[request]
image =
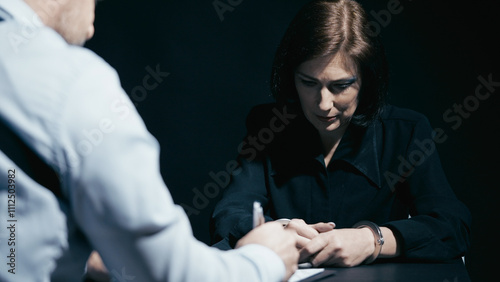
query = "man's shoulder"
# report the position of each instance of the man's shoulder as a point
(43, 50)
(75, 59)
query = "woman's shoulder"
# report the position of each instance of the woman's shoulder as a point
(391, 113)
(260, 113)
(403, 121)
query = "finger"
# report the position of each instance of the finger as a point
(332, 261)
(323, 227)
(302, 228)
(314, 246)
(323, 257)
(305, 256)
(302, 241)
(338, 261)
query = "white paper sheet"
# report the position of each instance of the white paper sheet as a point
(301, 274)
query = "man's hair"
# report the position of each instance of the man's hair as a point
(333, 27)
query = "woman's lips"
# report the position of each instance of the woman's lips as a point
(327, 119)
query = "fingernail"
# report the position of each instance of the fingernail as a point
(332, 224)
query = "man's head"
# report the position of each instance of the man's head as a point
(72, 19)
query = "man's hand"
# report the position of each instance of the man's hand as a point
(275, 237)
(306, 232)
(339, 247)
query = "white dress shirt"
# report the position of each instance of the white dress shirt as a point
(66, 104)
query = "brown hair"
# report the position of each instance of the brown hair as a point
(329, 27)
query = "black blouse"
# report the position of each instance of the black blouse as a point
(385, 173)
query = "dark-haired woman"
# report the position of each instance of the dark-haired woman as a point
(360, 179)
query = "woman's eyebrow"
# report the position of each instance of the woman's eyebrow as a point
(305, 75)
(351, 79)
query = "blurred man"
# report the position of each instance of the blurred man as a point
(66, 105)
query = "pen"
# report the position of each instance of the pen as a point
(258, 214)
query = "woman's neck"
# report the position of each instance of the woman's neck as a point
(330, 142)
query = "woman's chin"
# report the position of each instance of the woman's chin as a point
(328, 128)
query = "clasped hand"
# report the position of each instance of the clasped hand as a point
(323, 245)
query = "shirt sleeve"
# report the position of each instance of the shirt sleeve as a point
(121, 203)
(439, 226)
(232, 217)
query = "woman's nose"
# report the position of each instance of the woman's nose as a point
(325, 102)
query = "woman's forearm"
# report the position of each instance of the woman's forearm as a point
(390, 248)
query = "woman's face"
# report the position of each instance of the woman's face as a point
(328, 90)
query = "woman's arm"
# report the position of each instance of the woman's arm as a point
(440, 224)
(232, 216)
(390, 248)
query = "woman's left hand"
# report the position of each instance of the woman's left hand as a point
(339, 247)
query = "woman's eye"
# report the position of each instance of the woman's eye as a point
(343, 86)
(338, 88)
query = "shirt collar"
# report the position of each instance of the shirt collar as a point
(358, 147)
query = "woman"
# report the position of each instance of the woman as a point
(341, 155)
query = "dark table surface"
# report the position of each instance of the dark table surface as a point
(453, 271)
(450, 271)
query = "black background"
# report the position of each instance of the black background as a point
(219, 69)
